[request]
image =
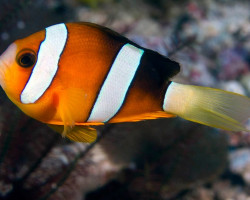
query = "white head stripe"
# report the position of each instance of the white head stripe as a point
(115, 87)
(47, 63)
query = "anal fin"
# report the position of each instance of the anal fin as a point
(144, 116)
(77, 133)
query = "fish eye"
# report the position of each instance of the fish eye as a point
(26, 58)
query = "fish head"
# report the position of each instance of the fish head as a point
(17, 63)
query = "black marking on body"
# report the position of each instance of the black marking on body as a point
(152, 76)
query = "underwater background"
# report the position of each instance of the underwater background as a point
(165, 159)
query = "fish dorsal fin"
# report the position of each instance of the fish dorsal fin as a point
(106, 30)
(77, 133)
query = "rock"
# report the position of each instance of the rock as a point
(233, 86)
(245, 80)
(240, 163)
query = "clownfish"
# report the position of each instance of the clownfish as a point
(76, 75)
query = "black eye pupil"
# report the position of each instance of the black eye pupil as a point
(27, 60)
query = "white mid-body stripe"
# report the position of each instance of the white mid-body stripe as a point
(115, 87)
(47, 63)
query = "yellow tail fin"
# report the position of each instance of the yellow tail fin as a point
(212, 107)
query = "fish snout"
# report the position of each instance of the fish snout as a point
(9, 55)
(6, 60)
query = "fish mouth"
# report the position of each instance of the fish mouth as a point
(6, 60)
(2, 70)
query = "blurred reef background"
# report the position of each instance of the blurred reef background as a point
(166, 159)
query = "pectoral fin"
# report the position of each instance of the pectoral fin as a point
(77, 133)
(68, 107)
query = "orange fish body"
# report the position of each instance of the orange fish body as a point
(74, 75)
(84, 64)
